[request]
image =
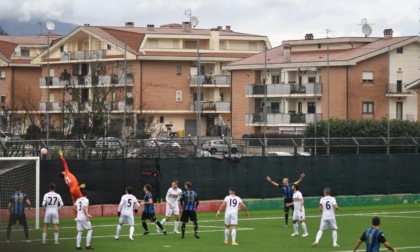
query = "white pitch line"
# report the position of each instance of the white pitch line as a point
(398, 248)
(113, 236)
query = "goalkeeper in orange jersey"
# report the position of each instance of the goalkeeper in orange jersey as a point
(70, 179)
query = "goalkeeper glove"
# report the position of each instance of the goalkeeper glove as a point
(136, 210)
(61, 153)
(119, 214)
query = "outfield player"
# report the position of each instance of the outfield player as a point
(16, 206)
(286, 190)
(327, 205)
(231, 205)
(149, 210)
(70, 179)
(125, 211)
(298, 212)
(52, 202)
(172, 197)
(373, 238)
(83, 221)
(189, 203)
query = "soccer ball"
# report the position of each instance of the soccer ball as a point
(44, 151)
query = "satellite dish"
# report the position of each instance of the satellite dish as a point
(17, 49)
(194, 21)
(366, 29)
(50, 25)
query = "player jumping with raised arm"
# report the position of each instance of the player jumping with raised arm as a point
(70, 179)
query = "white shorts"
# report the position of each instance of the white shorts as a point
(83, 224)
(298, 215)
(174, 210)
(51, 217)
(231, 219)
(127, 219)
(328, 223)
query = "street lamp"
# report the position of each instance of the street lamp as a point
(50, 27)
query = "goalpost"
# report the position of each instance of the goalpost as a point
(23, 172)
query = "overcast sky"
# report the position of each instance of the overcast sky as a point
(278, 19)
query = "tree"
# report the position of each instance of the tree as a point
(3, 32)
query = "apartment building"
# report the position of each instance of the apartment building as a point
(302, 81)
(18, 91)
(128, 80)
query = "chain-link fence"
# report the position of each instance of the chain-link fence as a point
(114, 148)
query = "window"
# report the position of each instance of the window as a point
(24, 53)
(400, 50)
(275, 107)
(311, 79)
(161, 119)
(178, 69)
(319, 46)
(62, 48)
(190, 45)
(3, 75)
(129, 69)
(275, 79)
(368, 108)
(3, 99)
(222, 45)
(178, 96)
(108, 47)
(252, 46)
(85, 95)
(367, 77)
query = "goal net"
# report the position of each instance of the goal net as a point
(23, 172)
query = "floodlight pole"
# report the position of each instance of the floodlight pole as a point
(48, 86)
(125, 90)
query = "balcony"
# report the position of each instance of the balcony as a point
(212, 107)
(120, 106)
(86, 81)
(397, 90)
(50, 106)
(210, 81)
(403, 117)
(284, 90)
(279, 119)
(83, 55)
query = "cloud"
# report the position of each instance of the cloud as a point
(35, 10)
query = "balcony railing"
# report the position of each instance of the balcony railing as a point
(216, 80)
(50, 106)
(281, 119)
(83, 55)
(397, 90)
(284, 89)
(219, 106)
(87, 80)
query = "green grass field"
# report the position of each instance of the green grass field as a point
(262, 231)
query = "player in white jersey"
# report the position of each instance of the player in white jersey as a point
(298, 212)
(125, 211)
(172, 198)
(52, 202)
(231, 204)
(327, 205)
(83, 220)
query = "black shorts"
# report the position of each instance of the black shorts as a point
(188, 215)
(14, 218)
(286, 208)
(148, 216)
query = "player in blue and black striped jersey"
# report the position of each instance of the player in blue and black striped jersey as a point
(373, 238)
(286, 190)
(17, 203)
(189, 203)
(149, 210)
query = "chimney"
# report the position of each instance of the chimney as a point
(129, 24)
(228, 28)
(309, 36)
(286, 52)
(87, 24)
(186, 26)
(150, 27)
(219, 28)
(388, 33)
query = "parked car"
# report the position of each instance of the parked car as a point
(214, 146)
(305, 154)
(279, 154)
(151, 142)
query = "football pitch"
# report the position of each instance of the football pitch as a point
(262, 231)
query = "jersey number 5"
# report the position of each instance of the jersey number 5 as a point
(129, 202)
